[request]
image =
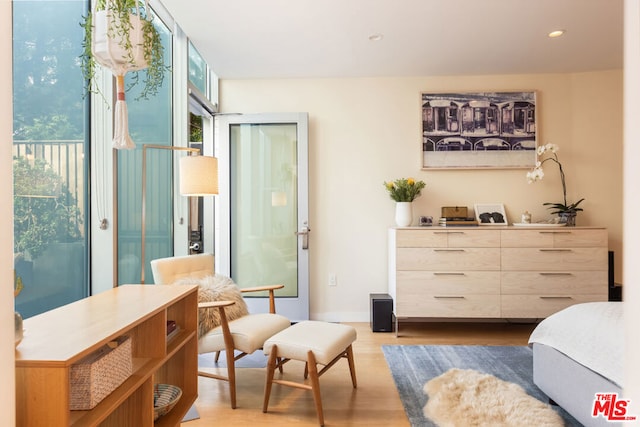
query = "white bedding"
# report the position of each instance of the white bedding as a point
(592, 334)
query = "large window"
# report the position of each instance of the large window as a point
(198, 72)
(51, 159)
(150, 123)
(50, 156)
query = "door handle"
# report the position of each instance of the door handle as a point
(304, 232)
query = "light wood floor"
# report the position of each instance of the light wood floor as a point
(374, 403)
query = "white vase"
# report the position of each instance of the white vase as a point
(404, 215)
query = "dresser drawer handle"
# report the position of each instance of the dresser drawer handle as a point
(447, 297)
(555, 250)
(448, 250)
(556, 274)
(554, 232)
(555, 297)
(448, 232)
(448, 274)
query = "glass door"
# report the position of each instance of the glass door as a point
(264, 228)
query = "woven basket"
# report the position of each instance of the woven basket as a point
(165, 397)
(97, 375)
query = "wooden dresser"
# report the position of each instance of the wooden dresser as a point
(495, 271)
(57, 339)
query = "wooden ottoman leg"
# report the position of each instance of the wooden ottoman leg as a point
(315, 385)
(352, 366)
(271, 367)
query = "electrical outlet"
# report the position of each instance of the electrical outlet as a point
(333, 279)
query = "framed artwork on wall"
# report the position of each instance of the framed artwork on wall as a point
(479, 130)
(490, 214)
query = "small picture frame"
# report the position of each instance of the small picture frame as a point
(490, 214)
(426, 221)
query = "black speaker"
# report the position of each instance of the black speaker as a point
(381, 312)
(615, 291)
(611, 270)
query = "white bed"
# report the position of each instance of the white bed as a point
(577, 353)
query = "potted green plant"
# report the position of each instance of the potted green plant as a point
(120, 36)
(404, 191)
(566, 211)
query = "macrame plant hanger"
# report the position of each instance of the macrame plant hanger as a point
(111, 50)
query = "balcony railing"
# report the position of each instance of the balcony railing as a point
(56, 273)
(65, 157)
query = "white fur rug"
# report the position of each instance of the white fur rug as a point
(465, 397)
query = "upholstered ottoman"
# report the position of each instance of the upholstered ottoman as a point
(312, 342)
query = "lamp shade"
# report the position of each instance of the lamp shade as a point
(278, 198)
(198, 175)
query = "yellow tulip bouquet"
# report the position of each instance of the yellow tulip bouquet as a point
(404, 190)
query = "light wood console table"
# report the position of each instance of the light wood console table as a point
(57, 339)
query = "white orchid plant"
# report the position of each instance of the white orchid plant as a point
(549, 152)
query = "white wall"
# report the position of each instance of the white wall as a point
(365, 131)
(7, 352)
(632, 201)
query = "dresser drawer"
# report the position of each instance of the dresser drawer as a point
(448, 259)
(472, 238)
(552, 259)
(420, 284)
(566, 237)
(452, 238)
(581, 239)
(526, 239)
(554, 282)
(420, 239)
(540, 306)
(470, 306)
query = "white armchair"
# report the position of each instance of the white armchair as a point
(245, 334)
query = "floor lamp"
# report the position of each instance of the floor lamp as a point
(198, 177)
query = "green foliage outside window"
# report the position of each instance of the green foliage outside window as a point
(44, 209)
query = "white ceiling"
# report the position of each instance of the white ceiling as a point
(330, 38)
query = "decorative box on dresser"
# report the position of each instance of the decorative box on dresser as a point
(495, 271)
(56, 340)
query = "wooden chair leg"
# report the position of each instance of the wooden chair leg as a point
(315, 385)
(352, 366)
(217, 357)
(230, 355)
(231, 373)
(271, 367)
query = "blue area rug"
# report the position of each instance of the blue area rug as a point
(414, 365)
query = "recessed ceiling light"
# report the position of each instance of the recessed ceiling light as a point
(556, 33)
(376, 37)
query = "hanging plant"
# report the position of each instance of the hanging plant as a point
(120, 36)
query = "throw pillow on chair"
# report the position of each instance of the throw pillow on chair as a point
(216, 288)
